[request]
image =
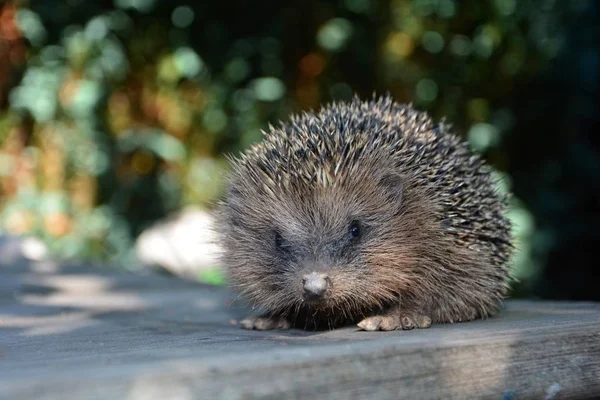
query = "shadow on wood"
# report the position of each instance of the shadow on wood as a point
(75, 332)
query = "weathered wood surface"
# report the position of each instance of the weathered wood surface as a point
(97, 334)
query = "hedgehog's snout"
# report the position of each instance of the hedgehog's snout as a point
(315, 285)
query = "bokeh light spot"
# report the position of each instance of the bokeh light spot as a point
(426, 90)
(96, 29)
(483, 45)
(188, 62)
(140, 5)
(506, 7)
(215, 120)
(432, 41)
(334, 34)
(358, 6)
(312, 64)
(182, 16)
(31, 26)
(400, 44)
(446, 8)
(268, 88)
(237, 69)
(424, 7)
(482, 136)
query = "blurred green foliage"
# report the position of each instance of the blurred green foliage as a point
(113, 114)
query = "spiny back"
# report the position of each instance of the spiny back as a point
(342, 139)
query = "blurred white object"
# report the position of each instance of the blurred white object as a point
(34, 249)
(184, 245)
(16, 248)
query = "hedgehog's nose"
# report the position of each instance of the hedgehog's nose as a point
(315, 285)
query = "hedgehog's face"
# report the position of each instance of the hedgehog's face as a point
(318, 248)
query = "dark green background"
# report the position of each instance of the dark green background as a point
(190, 81)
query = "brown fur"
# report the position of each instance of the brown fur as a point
(434, 241)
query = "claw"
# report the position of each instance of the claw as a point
(395, 320)
(263, 323)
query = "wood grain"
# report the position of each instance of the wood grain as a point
(92, 333)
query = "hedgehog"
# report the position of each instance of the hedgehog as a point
(367, 213)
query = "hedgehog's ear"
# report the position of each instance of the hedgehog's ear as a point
(393, 186)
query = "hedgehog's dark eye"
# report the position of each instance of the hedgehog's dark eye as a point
(278, 240)
(355, 230)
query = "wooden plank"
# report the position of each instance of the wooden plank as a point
(90, 333)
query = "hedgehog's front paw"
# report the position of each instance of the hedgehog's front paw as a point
(264, 323)
(380, 323)
(395, 320)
